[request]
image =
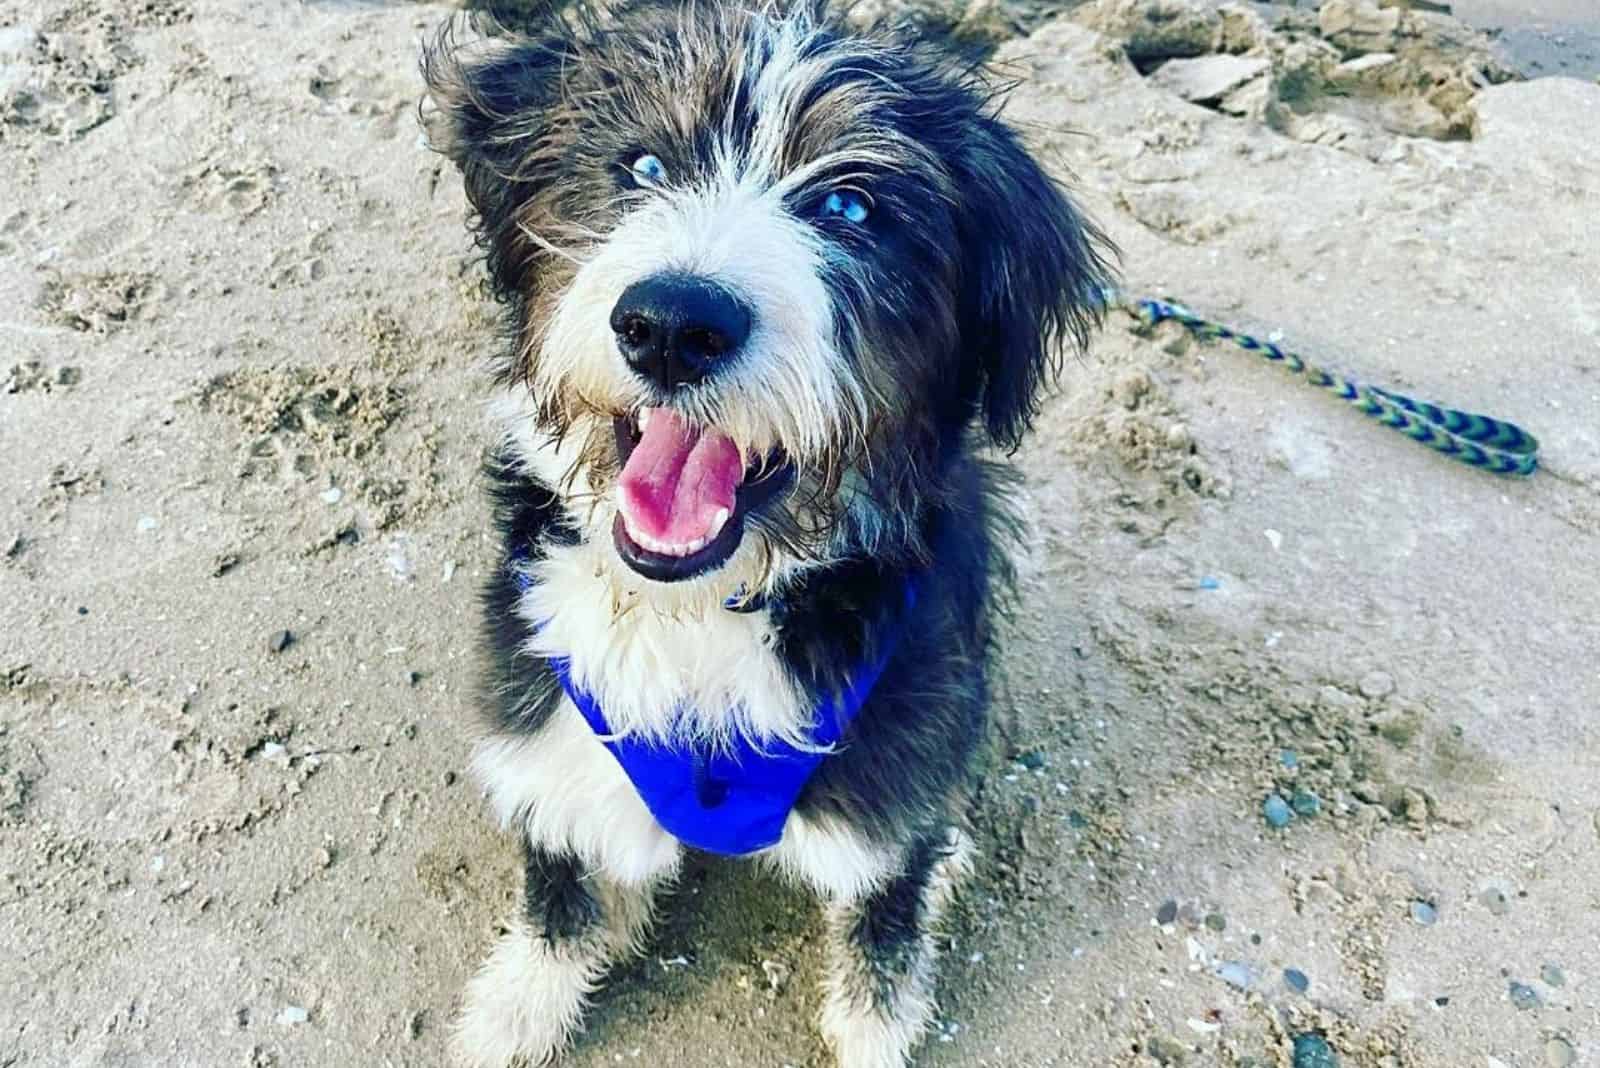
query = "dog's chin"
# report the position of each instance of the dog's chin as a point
(760, 486)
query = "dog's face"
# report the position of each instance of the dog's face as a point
(764, 273)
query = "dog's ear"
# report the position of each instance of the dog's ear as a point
(1034, 280)
(486, 110)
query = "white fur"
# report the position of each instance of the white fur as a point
(662, 663)
(525, 1001)
(865, 1038)
(555, 463)
(566, 791)
(830, 857)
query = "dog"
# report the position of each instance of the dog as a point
(772, 288)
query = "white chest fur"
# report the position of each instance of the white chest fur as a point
(660, 660)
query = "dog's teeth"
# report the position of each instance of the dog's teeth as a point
(718, 521)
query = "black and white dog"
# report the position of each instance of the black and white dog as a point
(769, 284)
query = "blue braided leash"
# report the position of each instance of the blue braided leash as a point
(1480, 441)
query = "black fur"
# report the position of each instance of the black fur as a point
(888, 928)
(555, 900)
(521, 690)
(1033, 281)
(903, 764)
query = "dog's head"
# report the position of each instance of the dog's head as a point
(764, 273)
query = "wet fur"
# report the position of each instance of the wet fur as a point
(897, 349)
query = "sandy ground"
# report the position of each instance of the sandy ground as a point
(239, 337)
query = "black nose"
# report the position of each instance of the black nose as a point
(673, 329)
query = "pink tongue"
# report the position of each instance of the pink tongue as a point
(678, 478)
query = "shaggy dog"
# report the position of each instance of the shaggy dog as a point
(770, 285)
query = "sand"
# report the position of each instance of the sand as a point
(241, 332)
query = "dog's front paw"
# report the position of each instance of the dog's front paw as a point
(875, 1036)
(524, 1003)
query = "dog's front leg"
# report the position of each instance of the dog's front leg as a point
(878, 994)
(529, 996)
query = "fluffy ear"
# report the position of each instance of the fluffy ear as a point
(486, 110)
(1034, 278)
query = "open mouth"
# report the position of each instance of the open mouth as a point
(684, 494)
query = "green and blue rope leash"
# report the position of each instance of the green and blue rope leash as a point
(1480, 441)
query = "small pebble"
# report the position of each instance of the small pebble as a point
(1209, 583)
(279, 641)
(1558, 1053)
(293, 1014)
(1524, 997)
(1495, 901)
(1376, 685)
(1216, 921)
(1296, 980)
(1235, 974)
(1552, 976)
(1289, 758)
(1313, 1051)
(1424, 913)
(148, 523)
(1274, 539)
(1277, 811)
(325, 857)
(777, 975)
(1305, 803)
(449, 778)
(332, 495)
(1031, 759)
(1335, 698)
(1167, 913)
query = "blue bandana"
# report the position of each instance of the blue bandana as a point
(736, 798)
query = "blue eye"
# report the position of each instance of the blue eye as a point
(848, 205)
(648, 170)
